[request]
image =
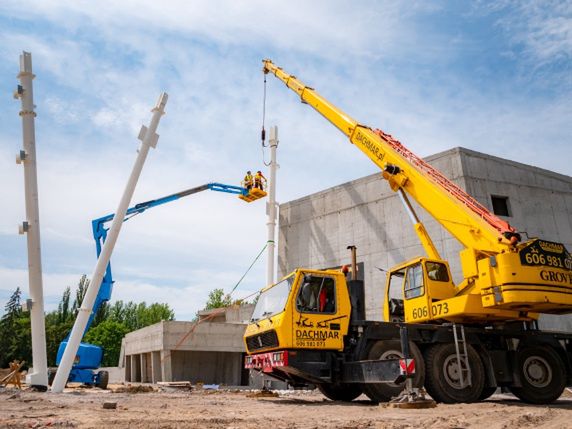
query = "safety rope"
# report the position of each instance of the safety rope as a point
(251, 265)
(216, 311)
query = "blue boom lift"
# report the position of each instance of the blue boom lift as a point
(89, 356)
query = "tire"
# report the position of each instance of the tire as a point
(346, 392)
(391, 349)
(542, 375)
(442, 379)
(487, 392)
(103, 380)
(51, 376)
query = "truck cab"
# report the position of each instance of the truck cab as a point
(308, 309)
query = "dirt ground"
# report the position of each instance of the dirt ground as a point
(83, 408)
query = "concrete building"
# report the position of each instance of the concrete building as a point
(315, 230)
(314, 233)
(211, 351)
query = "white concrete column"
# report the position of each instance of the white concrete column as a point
(271, 206)
(31, 226)
(149, 138)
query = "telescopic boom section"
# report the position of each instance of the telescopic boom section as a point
(464, 217)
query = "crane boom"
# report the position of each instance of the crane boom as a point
(464, 217)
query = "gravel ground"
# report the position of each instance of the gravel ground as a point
(83, 408)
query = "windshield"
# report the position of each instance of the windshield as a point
(273, 300)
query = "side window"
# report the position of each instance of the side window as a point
(396, 285)
(414, 282)
(317, 295)
(437, 271)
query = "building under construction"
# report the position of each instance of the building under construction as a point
(315, 230)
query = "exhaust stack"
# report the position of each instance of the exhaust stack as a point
(356, 290)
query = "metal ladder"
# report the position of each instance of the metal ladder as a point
(465, 378)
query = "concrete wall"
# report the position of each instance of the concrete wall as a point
(315, 230)
(207, 367)
(144, 340)
(210, 351)
(204, 336)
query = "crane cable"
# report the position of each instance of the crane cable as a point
(263, 132)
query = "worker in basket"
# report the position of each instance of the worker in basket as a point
(259, 180)
(248, 181)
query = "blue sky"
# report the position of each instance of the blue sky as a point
(490, 76)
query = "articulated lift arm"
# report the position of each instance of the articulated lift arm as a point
(89, 356)
(464, 217)
(100, 232)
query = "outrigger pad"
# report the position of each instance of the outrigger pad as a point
(253, 195)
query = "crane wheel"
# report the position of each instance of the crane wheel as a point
(391, 349)
(103, 380)
(487, 392)
(346, 392)
(542, 375)
(443, 375)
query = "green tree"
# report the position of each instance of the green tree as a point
(137, 316)
(56, 331)
(154, 313)
(15, 334)
(108, 335)
(111, 323)
(217, 299)
(13, 308)
(64, 309)
(80, 293)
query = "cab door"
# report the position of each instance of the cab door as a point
(393, 310)
(416, 297)
(317, 319)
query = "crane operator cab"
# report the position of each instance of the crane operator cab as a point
(418, 290)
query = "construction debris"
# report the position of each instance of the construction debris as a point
(134, 388)
(110, 405)
(182, 384)
(211, 386)
(264, 393)
(173, 386)
(14, 376)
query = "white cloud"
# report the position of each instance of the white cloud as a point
(100, 67)
(323, 28)
(53, 284)
(540, 36)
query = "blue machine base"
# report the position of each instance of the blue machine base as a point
(85, 376)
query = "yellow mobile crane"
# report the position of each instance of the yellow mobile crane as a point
(476, 335)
